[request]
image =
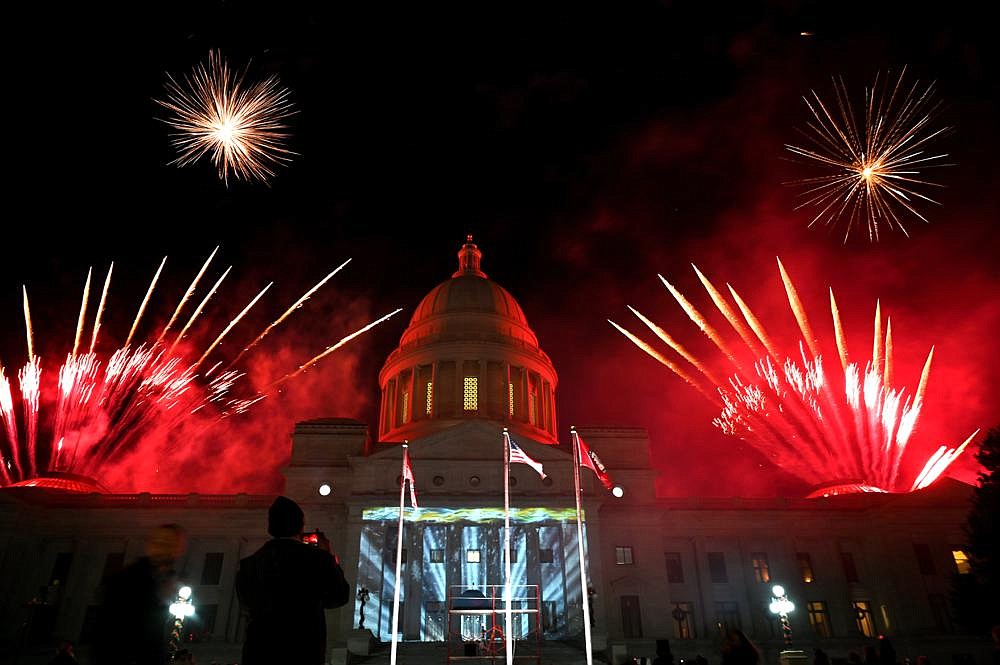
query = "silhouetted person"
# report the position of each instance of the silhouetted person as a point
(854, 658)
(663, 654)
(739, 650)
(871, 655)
(286, 585)
(184, 657)
(886, 652)
(923, 660)
(64, 654)
(820, 657)
(133, 622)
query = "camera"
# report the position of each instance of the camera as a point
(311, 537)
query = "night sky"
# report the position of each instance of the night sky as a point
(587, 148)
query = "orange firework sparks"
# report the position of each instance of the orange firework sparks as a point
(240, 125)
(846, 435)
(874, 166)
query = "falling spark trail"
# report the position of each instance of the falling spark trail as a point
(232, 324)
(699, 320)
(100, 308)
(878, 358)
(669, 341)
(755, 324)
(720, 302)
(653, 353)
(83, 313)
(145, 301)
(331, 349)
(887, 379)
(187, 294)
(838, 330)
(799, 311)
(841, 441)
(288, 312)
(29, 333)
(197, 311)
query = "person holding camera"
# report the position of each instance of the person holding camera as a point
(285, 586)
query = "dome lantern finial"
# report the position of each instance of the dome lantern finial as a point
(468, 259)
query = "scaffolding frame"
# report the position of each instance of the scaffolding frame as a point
(489, 604)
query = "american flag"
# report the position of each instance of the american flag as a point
(519, 456)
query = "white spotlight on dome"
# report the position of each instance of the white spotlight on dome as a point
(324, 490)
(618, 492)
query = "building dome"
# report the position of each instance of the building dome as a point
(468, 353)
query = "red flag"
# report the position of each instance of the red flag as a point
(589, 459)
(408, 476)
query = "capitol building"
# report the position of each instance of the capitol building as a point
(467, 366)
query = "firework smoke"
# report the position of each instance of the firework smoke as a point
(99, 407)
(873, 167)
(241, 125)
(841, 437)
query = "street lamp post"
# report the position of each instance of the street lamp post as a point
(181, 608)
(781, 606)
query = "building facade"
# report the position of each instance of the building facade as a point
(469, 365)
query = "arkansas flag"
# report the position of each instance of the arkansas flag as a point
(589, 459)
(408, 476)
(518, 455)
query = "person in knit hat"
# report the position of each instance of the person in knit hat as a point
(286, 586)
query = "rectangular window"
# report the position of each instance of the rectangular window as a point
(211, 571)
(406, 406)
(510, 398)
(761, 571)
(850, 570)
(437, 556)
(675, 569)
(113, 562)
(206, 616)
(924, 559)
(403, 557)
(863, 617)
(727, 617)
(60, 569)
(819, 618)
(717, 567)
(472, 556)
(532, 405)
(544, 555)
(470, 395)
(942, 615)
(513, 553)
(683, 616)
(429, 404)
(91, 620)
(962, 564)
(631, 616)
(805, 567)
(623, 556)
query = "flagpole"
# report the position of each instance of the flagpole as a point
(508, 637)
(587, 640)
(399, 561)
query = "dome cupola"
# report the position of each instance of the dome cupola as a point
(467, 353)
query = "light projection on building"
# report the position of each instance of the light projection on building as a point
(451, 547)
